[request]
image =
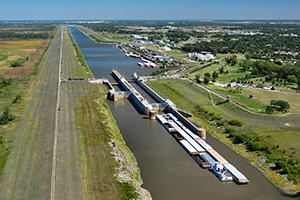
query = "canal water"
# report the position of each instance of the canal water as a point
(167, 170)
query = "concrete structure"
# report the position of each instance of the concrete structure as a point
(138, 99)
(165, 105)
(171, 108)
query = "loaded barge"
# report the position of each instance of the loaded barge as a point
(200, 151)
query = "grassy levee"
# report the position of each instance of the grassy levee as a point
(268, 139)
(68, 183)
(96, 37)
(70, 65)
(27, 173)
(81, 61)
(86, 127)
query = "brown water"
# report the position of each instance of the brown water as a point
(167, 170)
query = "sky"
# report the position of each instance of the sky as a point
(150, 10)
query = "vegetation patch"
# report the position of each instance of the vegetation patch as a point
(80, 57)
(100, 139)
(276, 147)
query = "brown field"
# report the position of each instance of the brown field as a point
(22, 44)
(29, 66)
(12, 58)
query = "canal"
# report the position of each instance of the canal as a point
(167, 170)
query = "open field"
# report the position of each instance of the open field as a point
(29, 65)
(27, 173)
(98, 36)
(19, 51)
(270, 129)
(25, 45)
(234, 72)
(68, 166)
(260, 98)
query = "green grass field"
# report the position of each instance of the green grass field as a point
(234, 72)
(270, 129)
(260, 98)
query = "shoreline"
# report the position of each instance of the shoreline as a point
(282, 190)
(119, 147)
(230, 145)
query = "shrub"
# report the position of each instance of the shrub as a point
(128, 191)
(235, 122)
(6, 116)
(17, 99)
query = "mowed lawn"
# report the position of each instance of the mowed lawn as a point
(261, 98)
(235, 72)
(185, 95)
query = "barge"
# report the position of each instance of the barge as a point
(194, 154)
(217, 156)
(200, 160)
(200, 151)
(165, 123)
(238, 177)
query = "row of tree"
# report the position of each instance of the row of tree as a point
(289, 73)
(261, 45)
(23, 35)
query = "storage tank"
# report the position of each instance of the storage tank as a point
(152, 114)
(202, 133)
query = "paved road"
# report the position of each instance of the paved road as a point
(192, 40)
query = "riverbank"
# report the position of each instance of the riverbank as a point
(187, 96)
(110, 170)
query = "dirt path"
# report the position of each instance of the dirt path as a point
(27, 174)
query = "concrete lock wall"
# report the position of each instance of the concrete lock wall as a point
(199, 131)
(150, 91)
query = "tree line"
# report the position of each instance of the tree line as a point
(289, 74)
(24, 35)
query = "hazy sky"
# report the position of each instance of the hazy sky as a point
(155, 9)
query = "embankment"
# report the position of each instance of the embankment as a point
(110, 170)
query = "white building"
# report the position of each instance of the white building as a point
(200, 56)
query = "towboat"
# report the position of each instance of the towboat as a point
(219, 170)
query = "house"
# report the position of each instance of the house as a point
(166, 49)
(136, 37)
(140, 41)
(210, 56)
(205, 56)
(158, 41)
